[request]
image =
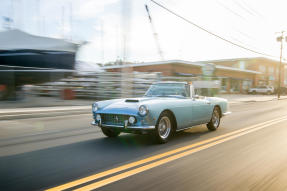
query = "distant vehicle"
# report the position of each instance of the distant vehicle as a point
(166, 107)
(262, 90)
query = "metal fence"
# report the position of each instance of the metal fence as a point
(106, 85)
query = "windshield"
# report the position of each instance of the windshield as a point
(167, 89)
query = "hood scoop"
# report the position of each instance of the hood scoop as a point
(132, 100)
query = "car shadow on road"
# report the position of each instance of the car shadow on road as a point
(132, 140)
(68, 162)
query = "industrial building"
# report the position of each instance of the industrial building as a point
(236, 75)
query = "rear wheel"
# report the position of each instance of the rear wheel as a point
(164, 128)
(110, 132)
(215, 120)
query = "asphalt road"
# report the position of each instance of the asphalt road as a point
(247, 152)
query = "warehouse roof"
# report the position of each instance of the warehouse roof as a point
(197, 64)
(19, 40)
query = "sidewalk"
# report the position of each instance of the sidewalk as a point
(33, 106)
(23, 113)
(243, 98)
(38, 101)
(43, 109)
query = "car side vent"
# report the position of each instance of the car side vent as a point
(132, 100)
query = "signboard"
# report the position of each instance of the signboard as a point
(206, 84)
(208, 69)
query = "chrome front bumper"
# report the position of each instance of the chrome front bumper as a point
(124, 127)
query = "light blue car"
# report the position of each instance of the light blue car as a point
(165, 108)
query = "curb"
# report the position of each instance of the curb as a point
(254, 101)
(20, 113)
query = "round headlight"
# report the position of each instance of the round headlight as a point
(95, 107)
(143, 110)
(132, 120)
(98, 117)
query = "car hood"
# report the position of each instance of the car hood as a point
(130, 106)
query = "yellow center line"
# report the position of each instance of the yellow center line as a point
(152, 158)
(166, 160)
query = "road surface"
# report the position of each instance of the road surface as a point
(247, 152)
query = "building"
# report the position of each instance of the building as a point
(268, 69)
(236, 75)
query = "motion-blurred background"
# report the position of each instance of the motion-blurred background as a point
(55, 52)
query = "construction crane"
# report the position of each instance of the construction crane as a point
(154, 34)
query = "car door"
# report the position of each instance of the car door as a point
(201, 111)
(257, 89)
(265, 89)
(261, 89)
(182, 109)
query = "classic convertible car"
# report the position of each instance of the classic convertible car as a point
(166, 107)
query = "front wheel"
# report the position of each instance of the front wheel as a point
(164, 128)
(110, 132)
(215, 120)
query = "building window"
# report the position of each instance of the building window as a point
(242, 65)
(262, 77)
(262, 69)
(235, 85)
(271, 77)
(223, 84)
(246, 84)
(271, 70)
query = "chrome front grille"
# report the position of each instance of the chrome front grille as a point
(114, 119)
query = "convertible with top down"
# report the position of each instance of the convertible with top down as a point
(165, 108)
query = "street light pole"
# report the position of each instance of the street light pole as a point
(280, 64)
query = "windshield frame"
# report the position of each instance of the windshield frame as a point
(185, 90)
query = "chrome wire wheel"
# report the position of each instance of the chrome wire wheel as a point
(215, 118)
(164, 127)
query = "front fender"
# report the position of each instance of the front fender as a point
(221, 102)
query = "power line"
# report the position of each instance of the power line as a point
(230, 10)
(211, 33)
(248, 8)
(237, 14)
(251, 9)
(244, 8)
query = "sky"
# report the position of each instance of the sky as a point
(120, 29)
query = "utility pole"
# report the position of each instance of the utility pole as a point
(126, 83)
(280, 38)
